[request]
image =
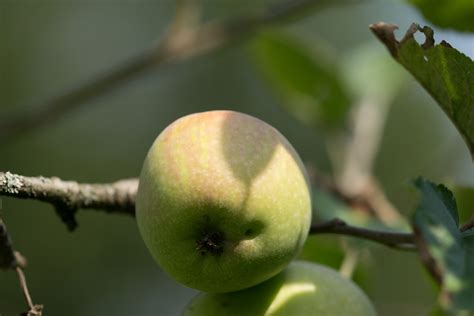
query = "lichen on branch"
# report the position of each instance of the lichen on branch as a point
(69, 196)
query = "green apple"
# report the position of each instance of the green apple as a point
(303, 289)
(223, 202)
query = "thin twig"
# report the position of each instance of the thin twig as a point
(34, 310)
(7, 253)
(11, 259)
(403, 241)
(24, 287)
(177, 44)
(426, 258)
(468, 225)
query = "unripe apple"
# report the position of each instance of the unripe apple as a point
(303, 289)
(223, 201)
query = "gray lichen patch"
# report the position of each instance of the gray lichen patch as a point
(12, 182)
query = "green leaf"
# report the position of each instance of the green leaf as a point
(456, 14)
(310, 88)
(444, 72)
(446, 252)
(371, 73)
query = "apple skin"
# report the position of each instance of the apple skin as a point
(223, 201)
(302, 289)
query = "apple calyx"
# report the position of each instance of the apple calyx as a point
(210, 242)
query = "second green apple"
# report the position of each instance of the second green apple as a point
(302, 289)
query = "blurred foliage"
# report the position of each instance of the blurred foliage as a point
(330, 251)
(437, 219)
(455, 14)
(465, 201)
(330, 247)
(328, 207)
(371, 73)
(310, 86)
(439, 311)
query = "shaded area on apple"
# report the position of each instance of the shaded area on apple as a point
(224, 201)
(246, 163)
(302, 289)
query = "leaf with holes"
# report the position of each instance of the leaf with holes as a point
(446, 251)
(447, 74)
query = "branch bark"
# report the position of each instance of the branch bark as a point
(403, 241)
(69, 196)
(116, 197)
(178, 44)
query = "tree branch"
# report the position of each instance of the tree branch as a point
(119, 197)
(178, 44)
(69, 196)
(116, 197)
(403, 241)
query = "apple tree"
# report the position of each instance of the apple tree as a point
(348, 179)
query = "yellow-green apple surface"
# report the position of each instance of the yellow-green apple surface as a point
(303, 289)
(223, 202)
